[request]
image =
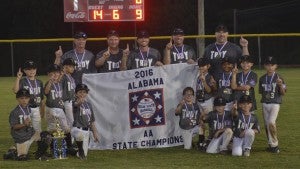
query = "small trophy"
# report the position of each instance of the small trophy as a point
(59, 142)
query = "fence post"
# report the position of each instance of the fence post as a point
(12, 58)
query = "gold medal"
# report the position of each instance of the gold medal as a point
(247, 92)
(268, 96)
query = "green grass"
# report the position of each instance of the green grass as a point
(288, 123)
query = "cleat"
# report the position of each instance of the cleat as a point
(247, 152)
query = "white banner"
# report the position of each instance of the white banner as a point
(136, 108)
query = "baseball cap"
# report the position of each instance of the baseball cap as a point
(69, 61)
(29, 64)
(203, 62)
(221, 27)
(270, 60)
(219, 101)
(81, 87)
(143, 34)
(247, 58)
(53, 68)
(112, 33)
(245, 99)
(78, 35)
(178, 31)
(22, 93)
(228, 59)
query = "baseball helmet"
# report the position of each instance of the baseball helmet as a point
(185, 124)
(69, 61)
(80, 34)
(81, 87)
(270, 60)
(245, 99)
(178, 31)
(143, 34)
(22, 93)
(221, 27)
(219, 101)
(53, 68)
(29, 64)
(203, 62)
(228, 59)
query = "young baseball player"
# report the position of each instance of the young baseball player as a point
(21, 127)
(223, 80)
(35, 87)
(271, 88)
(204, 94)
(246, 126)
(144, 56)
(55, 104)
(189, 114)
(84, 121)
(179, 52)
(220, 127)
(109, 60)
(244, 82)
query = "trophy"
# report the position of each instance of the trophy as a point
(59, 142)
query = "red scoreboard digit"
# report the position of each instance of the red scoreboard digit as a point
(103, 10)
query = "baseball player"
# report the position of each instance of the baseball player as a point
(244, 82)
(189, 114)
(223, 80)
(271, 87)
(84, 121)
(179, 52)
(204, 94)
(246, 126)
(144, 56)
(84, 59)
(109, 60)
(221, 48)
(20, 123)
(35, 87)
(220, 127)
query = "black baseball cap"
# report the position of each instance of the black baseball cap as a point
(221, 27)
(69, 61)
(270, 60)
(29, 64)
(81, 87)
(112, 33)
(78, 35)
(245, 99)
(143, 34)
(219, 101)
(22, 93)
(203, 62)
(228, 59)
(247, 58)
(178, 31)
(53, 68)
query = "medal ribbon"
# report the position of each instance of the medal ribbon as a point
(23, 111)
(141, 53)
(227, 78)
(178, 50)
(85, 106)
(246, 79)
(220, 50)
(222, 120)
(199, 82)
(30, 86)
(247, 125)
(71, 80)
(78, 57)
(269, 84)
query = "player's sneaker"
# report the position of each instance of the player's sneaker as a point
(202, 147)
(247, 152)
(224, 152)
(275, 149)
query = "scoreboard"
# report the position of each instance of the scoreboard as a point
(103, 10)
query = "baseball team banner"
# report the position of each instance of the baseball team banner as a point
(136, 108)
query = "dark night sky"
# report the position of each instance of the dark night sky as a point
(44, 19)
